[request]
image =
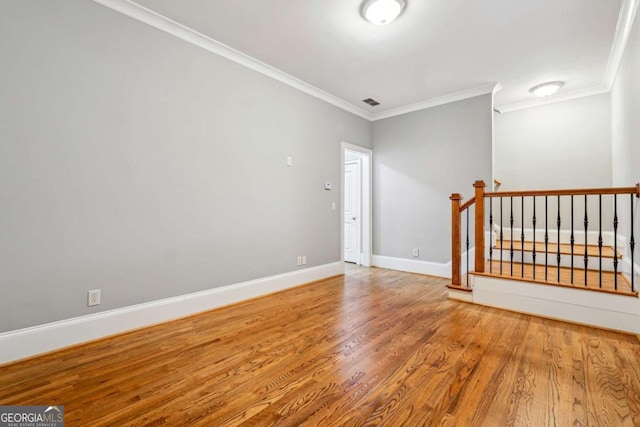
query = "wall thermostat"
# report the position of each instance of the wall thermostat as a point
(327, 185)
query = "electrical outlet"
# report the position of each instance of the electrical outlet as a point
(304, 260)
(416, 252)
(299, 260)
(93, 297)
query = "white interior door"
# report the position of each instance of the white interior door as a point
(352, 212)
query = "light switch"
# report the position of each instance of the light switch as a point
(289, 161)
(327, 185)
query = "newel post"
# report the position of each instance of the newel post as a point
(455, 239)
(479, 225)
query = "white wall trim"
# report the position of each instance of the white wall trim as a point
(413, 266)
(434, 102)
(147, 16)
(566, 96)
(366, 207)
(31, 341)
(623, 29)
(423, 267)
(142, 14)
(439, 269)
(604, 310)
(169, 26)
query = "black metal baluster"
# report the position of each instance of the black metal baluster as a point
(572, 240)
(511, 225)
(632, 245)
(522, 236)
(558, 221)
(501, 235)
(586, 240)
(546, 237)
(490, 235)
(600, 240)
(534, 237)
(468, 209)
(615, 242)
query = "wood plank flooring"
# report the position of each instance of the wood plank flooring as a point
(376, 347)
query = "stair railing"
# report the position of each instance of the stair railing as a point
(457, 211)
(534, 203)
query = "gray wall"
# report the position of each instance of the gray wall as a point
(625, 112)
(561, 145)
(136, 163)
(421, 158)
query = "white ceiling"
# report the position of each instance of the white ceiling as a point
(437, 50)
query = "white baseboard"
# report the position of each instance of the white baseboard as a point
(413, 266)
(439, 269)
(31, 341)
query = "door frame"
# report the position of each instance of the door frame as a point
(366, 202)
(357, 212)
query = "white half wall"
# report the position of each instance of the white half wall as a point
(600, 309)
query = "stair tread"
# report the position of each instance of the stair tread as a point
(593, 277)
(565, 248)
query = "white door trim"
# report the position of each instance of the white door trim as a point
(355, 252)
(366, 204)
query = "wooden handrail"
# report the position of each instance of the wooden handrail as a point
(468, 203)
(455, 239)
(479, 226)
(457, 208)
(576, 192)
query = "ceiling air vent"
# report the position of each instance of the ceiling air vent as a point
(371, 102)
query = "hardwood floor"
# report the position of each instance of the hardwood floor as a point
(376, 347)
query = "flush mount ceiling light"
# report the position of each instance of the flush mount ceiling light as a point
(546, 89)
(382, 12)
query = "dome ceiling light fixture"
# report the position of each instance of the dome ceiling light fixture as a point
(546, 89)
(382, 12)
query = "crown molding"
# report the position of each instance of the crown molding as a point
(538, 102)
(626, 17)
(146, 16)
(140, 13)
(433, 102)
(623, 29)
